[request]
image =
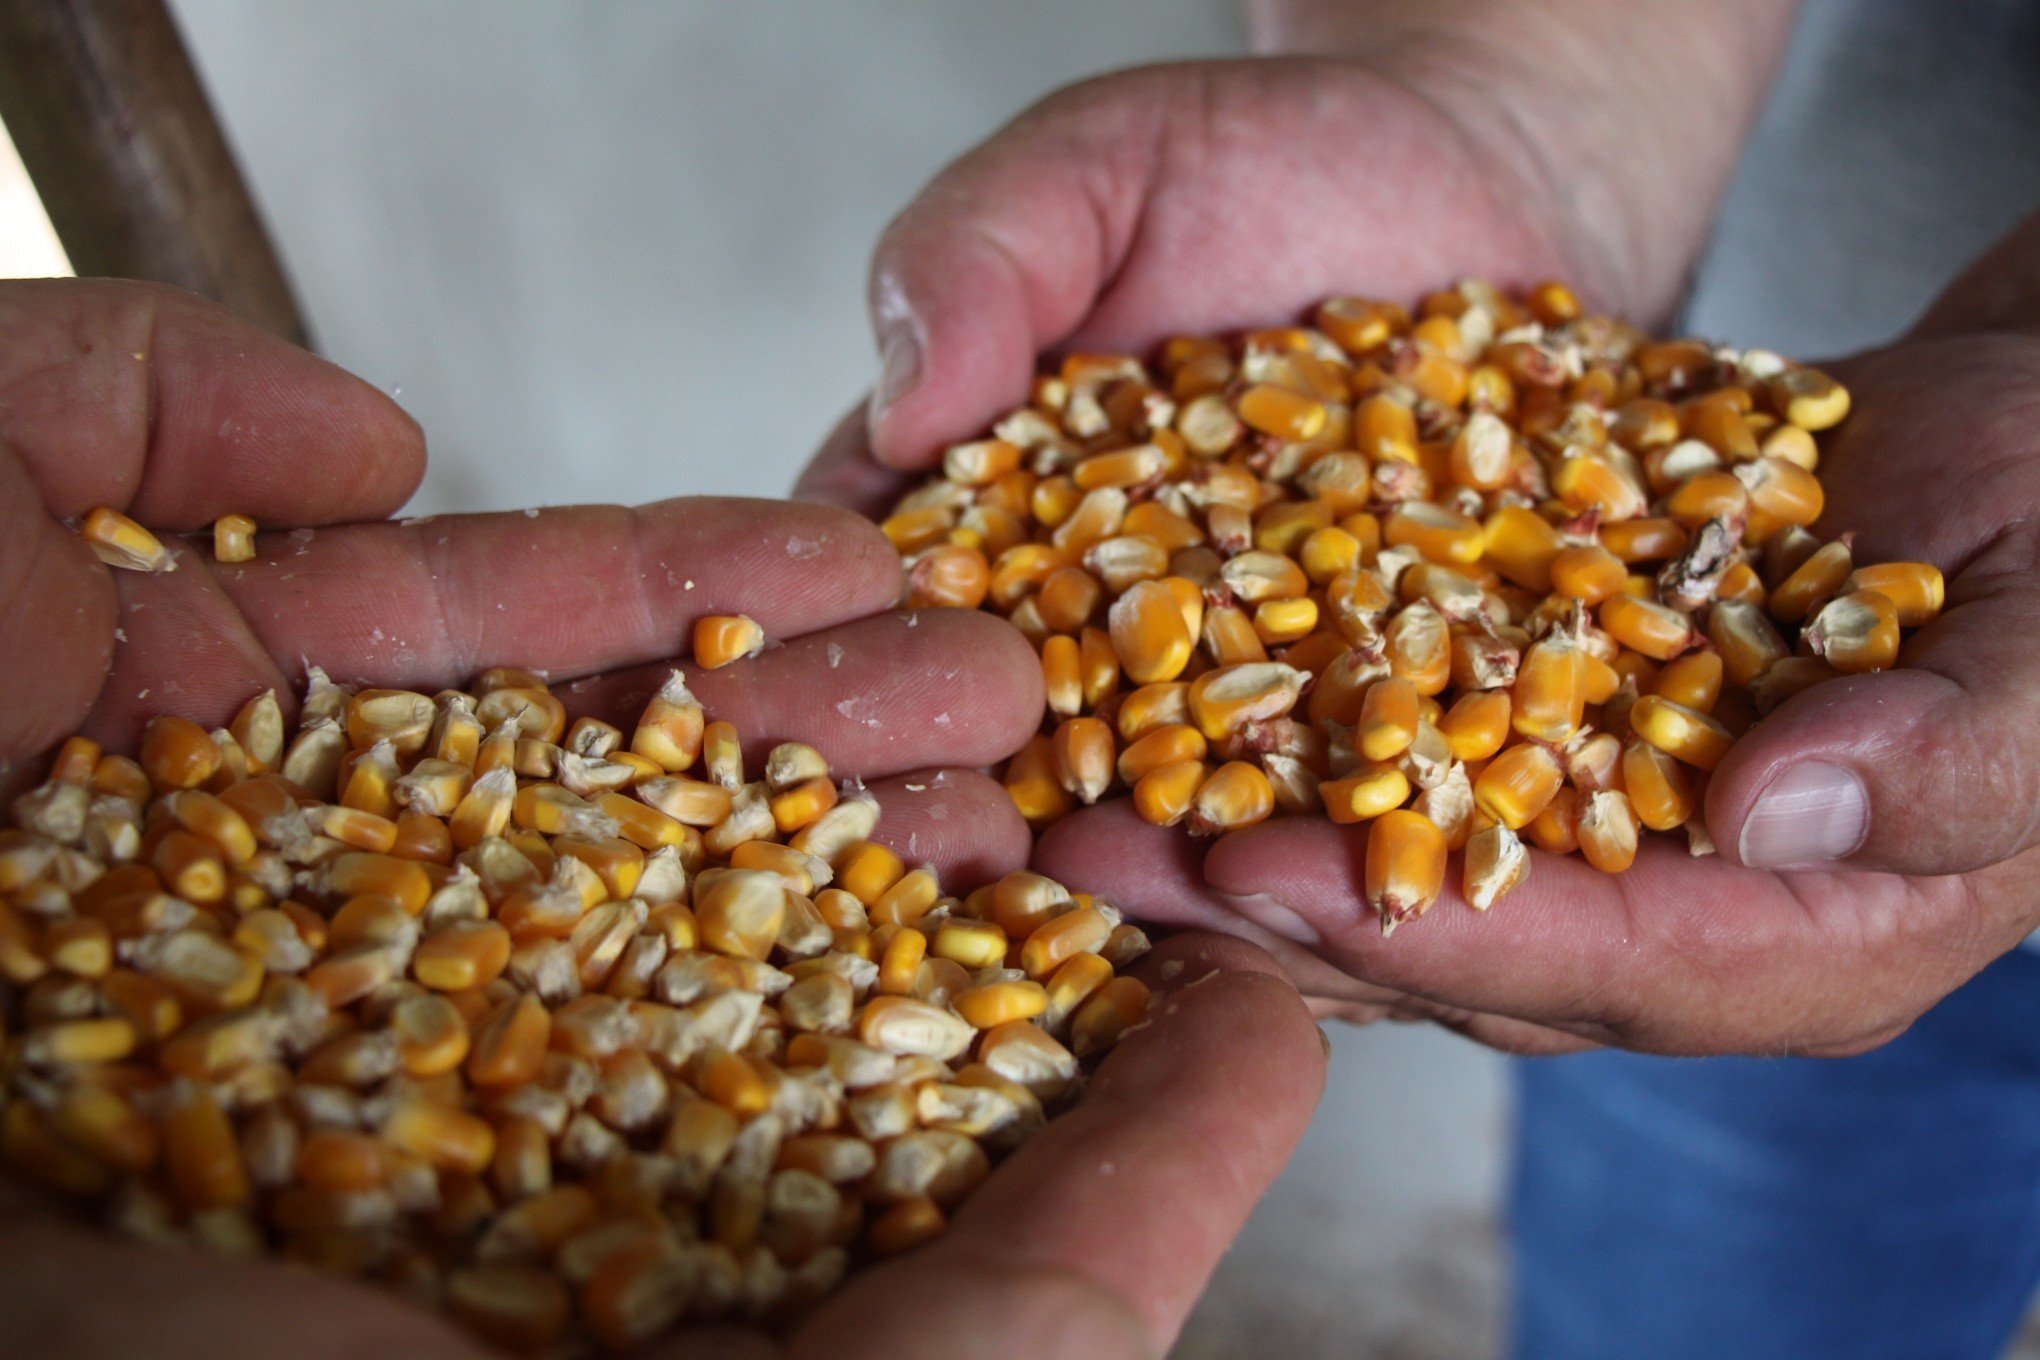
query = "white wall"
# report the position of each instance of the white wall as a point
(616, 251)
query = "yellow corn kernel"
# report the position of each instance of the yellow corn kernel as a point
(1813, 582)
(997, 1003)
(1105, 1016)
(200, 1151)
(1658, 787)
(946, 576)
(1365, 795)
(1165, 794)
(1748, 642)
(1477, 724)
(1693, 680)
(1854, 633)
(1808, 398)
(1388, 719)
(1150, 636)
(1439, 534)
(120, 542)
(1068, 599)
(1915, 589)
(1644, 540)
(1517, 784)
(1282, 621)
(233, 539)
(1032, 783)
(1405, 866)
(1550, 699)
(720, 639)
(669, 734)
(1522, 546)
(1589, 574)
(177, 754)
(1235, 795)
(1644, 626)
(1281, 413)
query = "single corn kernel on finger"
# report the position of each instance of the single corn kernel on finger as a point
(120, 542)
(1405, 866)
(720, 639)
(233, 539)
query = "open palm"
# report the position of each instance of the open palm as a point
(1938, 464)
(169, 409)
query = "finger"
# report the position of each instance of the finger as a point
(1141, 204)
(427, 604)
(1678, 954)
(896, 692)
(66, 1290)
(142, 397)
(158, 402)
(999, 258)
(1085, 1242)
(2000, 291)
(1931, 769)
(845, 473)
(1155, 874)
(59, 602)
(960, 823)
(1159, 873)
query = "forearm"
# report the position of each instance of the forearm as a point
(1626, 117)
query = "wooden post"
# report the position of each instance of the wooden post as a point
(115, 129)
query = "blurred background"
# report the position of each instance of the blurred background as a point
(616, 252)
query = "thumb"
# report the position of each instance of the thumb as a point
(1934, 768)
(1001, 257)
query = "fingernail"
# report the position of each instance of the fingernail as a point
(899, 368)
(1812, 814)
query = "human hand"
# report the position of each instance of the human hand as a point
(1191, 198)
(1090, 1242)
(1896, 861)
(169, 409)
(1580, 139)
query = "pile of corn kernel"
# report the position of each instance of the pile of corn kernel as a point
(1495, 574)
(520, 1018)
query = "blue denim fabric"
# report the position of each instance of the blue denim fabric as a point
(1747, 1208)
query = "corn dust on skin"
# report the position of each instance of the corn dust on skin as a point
(1497, 564)
(578, 1032)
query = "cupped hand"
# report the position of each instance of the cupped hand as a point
(1091, 1242)
(167, 408)
(1192, 198)
(1876, 833)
